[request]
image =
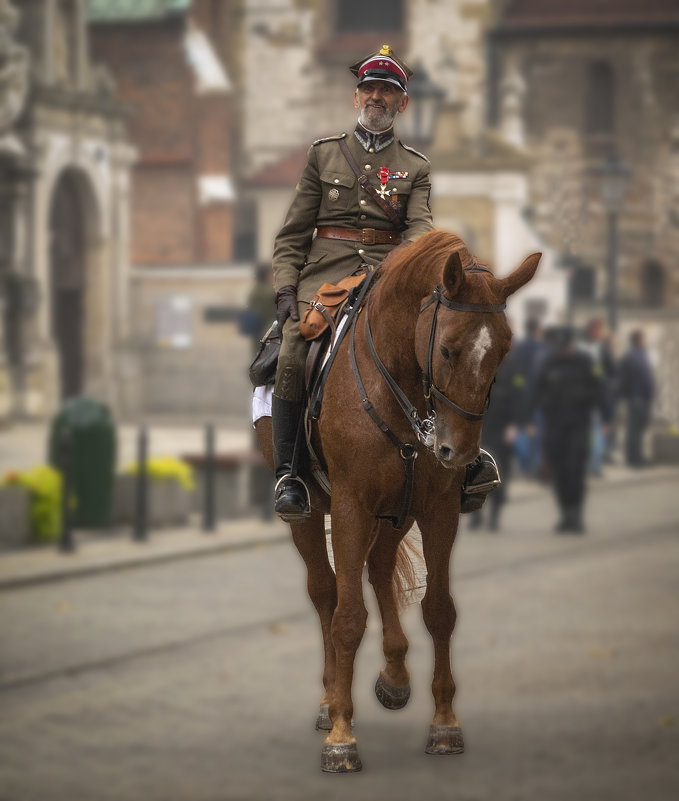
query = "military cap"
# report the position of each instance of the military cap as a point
(382, 66)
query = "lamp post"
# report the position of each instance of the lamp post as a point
(417, 125)
(614, 176)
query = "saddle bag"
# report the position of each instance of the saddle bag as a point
(322, 309)
(262, 370)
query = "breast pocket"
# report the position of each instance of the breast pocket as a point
(399, 193)
(337, 189)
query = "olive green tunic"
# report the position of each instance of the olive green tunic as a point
(328, 194)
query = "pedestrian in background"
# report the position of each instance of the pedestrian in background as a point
(527, 355)
(637, 390)
(260, 310)
(500, 427)
(568, 388)
(597, 344)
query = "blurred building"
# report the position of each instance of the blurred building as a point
(167, 60)
(64, 172)
(571, 84)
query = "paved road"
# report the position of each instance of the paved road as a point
(198, 680)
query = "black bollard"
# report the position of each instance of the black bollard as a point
(66, 542)
(140, 530)
(209, 479)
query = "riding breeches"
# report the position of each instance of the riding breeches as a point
(291, 363)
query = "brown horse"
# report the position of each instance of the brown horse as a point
(433, 310)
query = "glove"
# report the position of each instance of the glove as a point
(286, 305)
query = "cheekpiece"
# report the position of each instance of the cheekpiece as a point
(382, 66)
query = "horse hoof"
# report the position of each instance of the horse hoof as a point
(391, 697)
(340, 759)
(445, 740)
(323, 722)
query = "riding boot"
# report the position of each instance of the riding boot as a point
(291, 496)
(481, 477)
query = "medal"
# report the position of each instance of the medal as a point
(384, 177)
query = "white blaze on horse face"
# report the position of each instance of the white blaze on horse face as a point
(481, 346)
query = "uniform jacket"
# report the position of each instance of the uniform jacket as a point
(328, 194)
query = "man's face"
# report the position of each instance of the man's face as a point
(378, 103)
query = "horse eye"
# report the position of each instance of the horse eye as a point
(445, 352)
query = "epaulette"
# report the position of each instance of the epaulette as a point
(330, 139)
(412, 150)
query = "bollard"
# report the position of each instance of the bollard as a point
(140, 529)
(66, 542)
(209, 479)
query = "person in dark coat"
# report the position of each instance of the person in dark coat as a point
(637, 389)
(499, 432)
(568, 388)
(527, 355)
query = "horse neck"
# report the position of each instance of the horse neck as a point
(394, 309)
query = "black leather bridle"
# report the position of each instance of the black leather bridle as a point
(423, 428)
(431, 391)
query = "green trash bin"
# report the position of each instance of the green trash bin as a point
(87, 429)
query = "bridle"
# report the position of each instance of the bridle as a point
(431, 391)
(423, 429)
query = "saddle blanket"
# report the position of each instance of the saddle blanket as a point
(261, 396)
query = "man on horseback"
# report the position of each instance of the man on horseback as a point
(341, 224)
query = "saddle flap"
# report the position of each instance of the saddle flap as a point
(325, 304)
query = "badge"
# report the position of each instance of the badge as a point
(383, 175)
(398, 175)
(333, 194)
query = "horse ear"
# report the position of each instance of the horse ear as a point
(453, 275)
(521, 275)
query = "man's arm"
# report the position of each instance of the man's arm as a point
(419, 219)
(294, 239)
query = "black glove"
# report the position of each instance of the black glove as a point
(286, 305)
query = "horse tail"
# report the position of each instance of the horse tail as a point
(409, 572)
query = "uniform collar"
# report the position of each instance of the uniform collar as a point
(373, 142)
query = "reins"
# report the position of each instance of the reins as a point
(423, 429)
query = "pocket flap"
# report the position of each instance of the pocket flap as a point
(337, 178)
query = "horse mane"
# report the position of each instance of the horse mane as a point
(406, 266)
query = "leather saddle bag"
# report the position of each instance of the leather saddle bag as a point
(263, 368)
(322, 309)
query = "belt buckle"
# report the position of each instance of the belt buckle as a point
(368, 236)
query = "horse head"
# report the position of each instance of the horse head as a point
(461, 337)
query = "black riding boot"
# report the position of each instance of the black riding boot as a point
(291, 497)
(482, 477)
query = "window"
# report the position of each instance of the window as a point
(374, 15)
(600, 98)
(653, 284)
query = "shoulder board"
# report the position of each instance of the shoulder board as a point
(412, 150)
(330, 139)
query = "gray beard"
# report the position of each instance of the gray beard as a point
(377, 120)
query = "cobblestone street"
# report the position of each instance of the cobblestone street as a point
(198, 680)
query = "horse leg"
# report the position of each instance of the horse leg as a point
(445, 734)
(350, 536)
(309, 538)
(393, 684)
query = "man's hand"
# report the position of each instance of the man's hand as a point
(286, 305)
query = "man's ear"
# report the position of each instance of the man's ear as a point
(356, 103)
(404, 102)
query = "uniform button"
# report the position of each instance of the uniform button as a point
(336, 180)
(371, 150)
(364, 216)
(361, 251)
(363, 202)
(367, 167)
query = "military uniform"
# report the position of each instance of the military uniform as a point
(329, 196)
(335, 226)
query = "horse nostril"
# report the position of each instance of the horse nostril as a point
(445, 453)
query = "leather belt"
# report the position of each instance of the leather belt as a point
(367, 236)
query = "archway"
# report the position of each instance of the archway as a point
(67, 255)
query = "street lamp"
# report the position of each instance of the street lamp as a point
(614, 175)
(417, 125)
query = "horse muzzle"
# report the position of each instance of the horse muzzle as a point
(451, 457)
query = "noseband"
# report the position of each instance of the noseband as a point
(431, 391)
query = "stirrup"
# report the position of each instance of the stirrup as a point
(293, 517)
(492, 479)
